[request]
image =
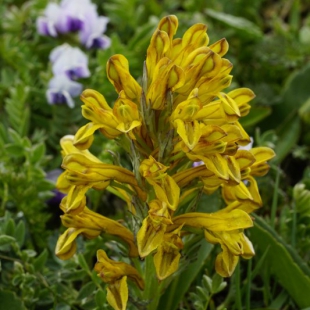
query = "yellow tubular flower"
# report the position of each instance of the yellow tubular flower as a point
(151, 233)
(115, 274)
(90, 220)
(167, 257)
(119, 76)
(66, 245)
(219, 221)
(233, 244)
(261, 155)
(75, 201)
(166, 189)
(126, 113)
(84, 171)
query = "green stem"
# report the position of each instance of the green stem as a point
(5, 195)
(238, 292)
(152, 287)
(248, 286)
(275, 199)
(293, 240)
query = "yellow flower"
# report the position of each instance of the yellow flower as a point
(81, 170)
(93, 221)
(119, 76)
(166, 189)
(180, 115)
(234, 244)
(167, 257)
(66, 245)
(151, 233)
(219, 221)
(115, 274)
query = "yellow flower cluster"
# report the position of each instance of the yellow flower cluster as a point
(177, 117)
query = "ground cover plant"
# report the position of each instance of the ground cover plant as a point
(177, 152)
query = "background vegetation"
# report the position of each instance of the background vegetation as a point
(270, 49)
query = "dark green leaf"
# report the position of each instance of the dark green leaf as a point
(292, 273)
(288, 136)
(100, 299)
(15, 150)
(37, 153)
(239, 23)
(20, 233)
(10, 301)
(39, 262)
(255, 116)
(87, 290)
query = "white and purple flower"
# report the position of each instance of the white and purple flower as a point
(91, 36)
(73, 16)
(70, 61)
(47, 24)
(61, 90)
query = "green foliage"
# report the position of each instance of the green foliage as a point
(202, 298)
(284, 262)
(269, 48)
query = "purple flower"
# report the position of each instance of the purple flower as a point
(75, 15)
(57, 197)
(61, 90)
(70, 61)
(47, 24)
(72, 16)
(198, 163)
(91, 34)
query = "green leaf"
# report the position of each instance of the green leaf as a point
(5, 239)
(288, 136)
(295, 94)
(304, 111)
(180, 285)
(15, 150)
(217, 283)
(37, 153)
(19, 233)
(241, 24)
(39, 262)
(10, 301)
(87, 290)
(100, 299)
(82, 262)
(284, 262)
(255, 116)
(9, 228)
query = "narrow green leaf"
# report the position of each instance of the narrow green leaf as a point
(241, 24)
(82, 262)
(100, 299)
(256, 115)
(19, 233)
(9, 227)
(285, 263)
(180, 285)
(37, 153)
(288, 136)
(5, 239)
(86, 291)
(39, 262)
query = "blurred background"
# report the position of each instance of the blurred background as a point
(270, 52)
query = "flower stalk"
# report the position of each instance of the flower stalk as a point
(183, 136)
